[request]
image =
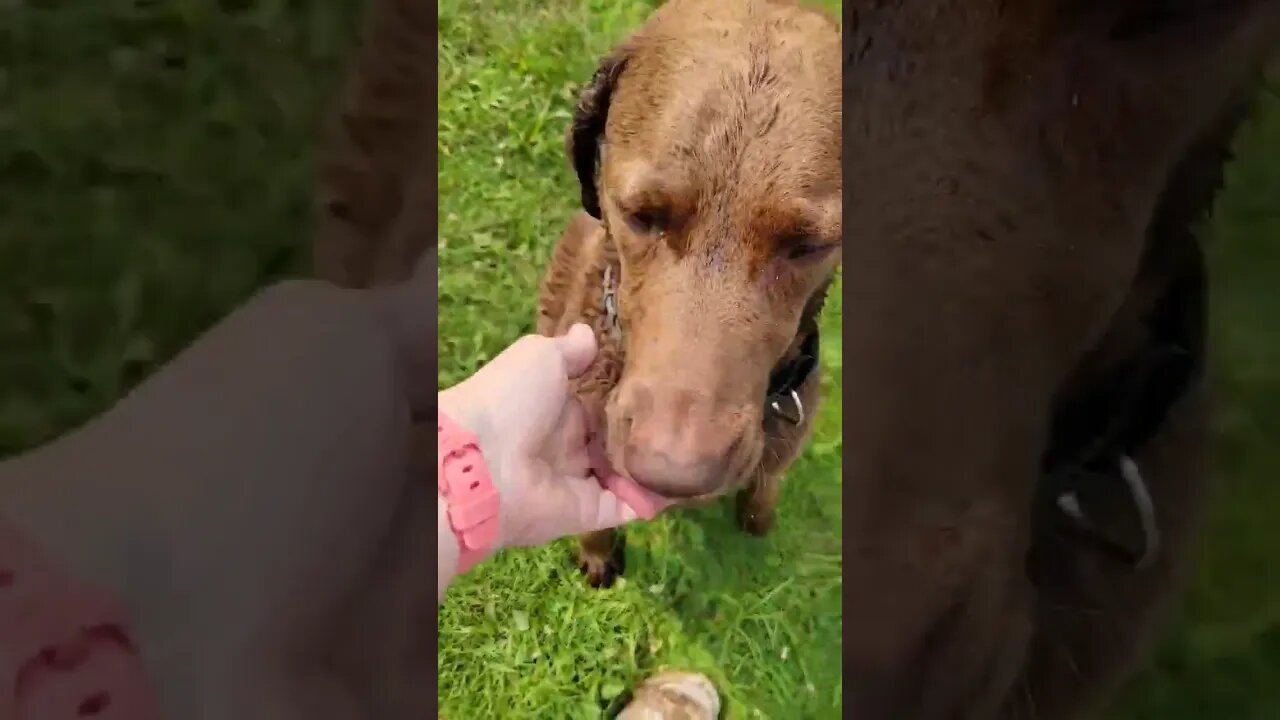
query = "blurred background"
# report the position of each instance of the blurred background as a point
(156, 168)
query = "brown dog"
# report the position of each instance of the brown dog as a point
(708, 151)
(1024, 337)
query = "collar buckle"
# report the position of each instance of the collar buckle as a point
(796, 418)
(787, 379)
(1069, 503)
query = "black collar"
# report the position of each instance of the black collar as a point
(1098, 429)
(783, 396)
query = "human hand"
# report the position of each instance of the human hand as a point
(255, 507)
(532, 431)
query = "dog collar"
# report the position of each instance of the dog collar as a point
(609, 301)
(782, 399)
(1097, 431)
(783, 395)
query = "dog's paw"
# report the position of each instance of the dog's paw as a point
(602, 570)
(753, 519)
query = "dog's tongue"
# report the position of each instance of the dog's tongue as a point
(645, 503)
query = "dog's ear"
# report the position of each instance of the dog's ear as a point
(583, 139)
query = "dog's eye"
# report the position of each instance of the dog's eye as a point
(806, 250)
(647, 221)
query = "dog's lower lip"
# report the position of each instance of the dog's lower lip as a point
(668, 497)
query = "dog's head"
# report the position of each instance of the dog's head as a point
(709, 146)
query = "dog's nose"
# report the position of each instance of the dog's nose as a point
(673, 476)
(675, 444)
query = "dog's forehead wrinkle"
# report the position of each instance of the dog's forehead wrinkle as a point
(722, 100)
(714, 258)
(736, 105)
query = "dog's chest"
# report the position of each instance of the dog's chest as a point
(593, 386)
(575, 290)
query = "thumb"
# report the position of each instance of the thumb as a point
(578, 346)
(566, 506)
(610, 511)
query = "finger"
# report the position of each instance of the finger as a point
(574, 460)
(597, 507)
(644, 503)
(614, 512)
(564, 447)
(560, 506)
(597, 456)
(578, 346)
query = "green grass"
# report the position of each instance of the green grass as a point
(1222, 659)
(156, 168)
(524, 637)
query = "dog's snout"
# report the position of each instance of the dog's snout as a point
(677, 442)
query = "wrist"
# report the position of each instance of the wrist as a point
(464, 410)
(447, 544)
(468, 502)
(461, 405)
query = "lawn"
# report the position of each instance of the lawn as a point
(156, 168)
(525, 637)
(1222, 659)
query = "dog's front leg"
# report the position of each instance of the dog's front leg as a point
(756, 504)
(601, 556)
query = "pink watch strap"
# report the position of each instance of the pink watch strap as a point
(65, 650)
(464, 482)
